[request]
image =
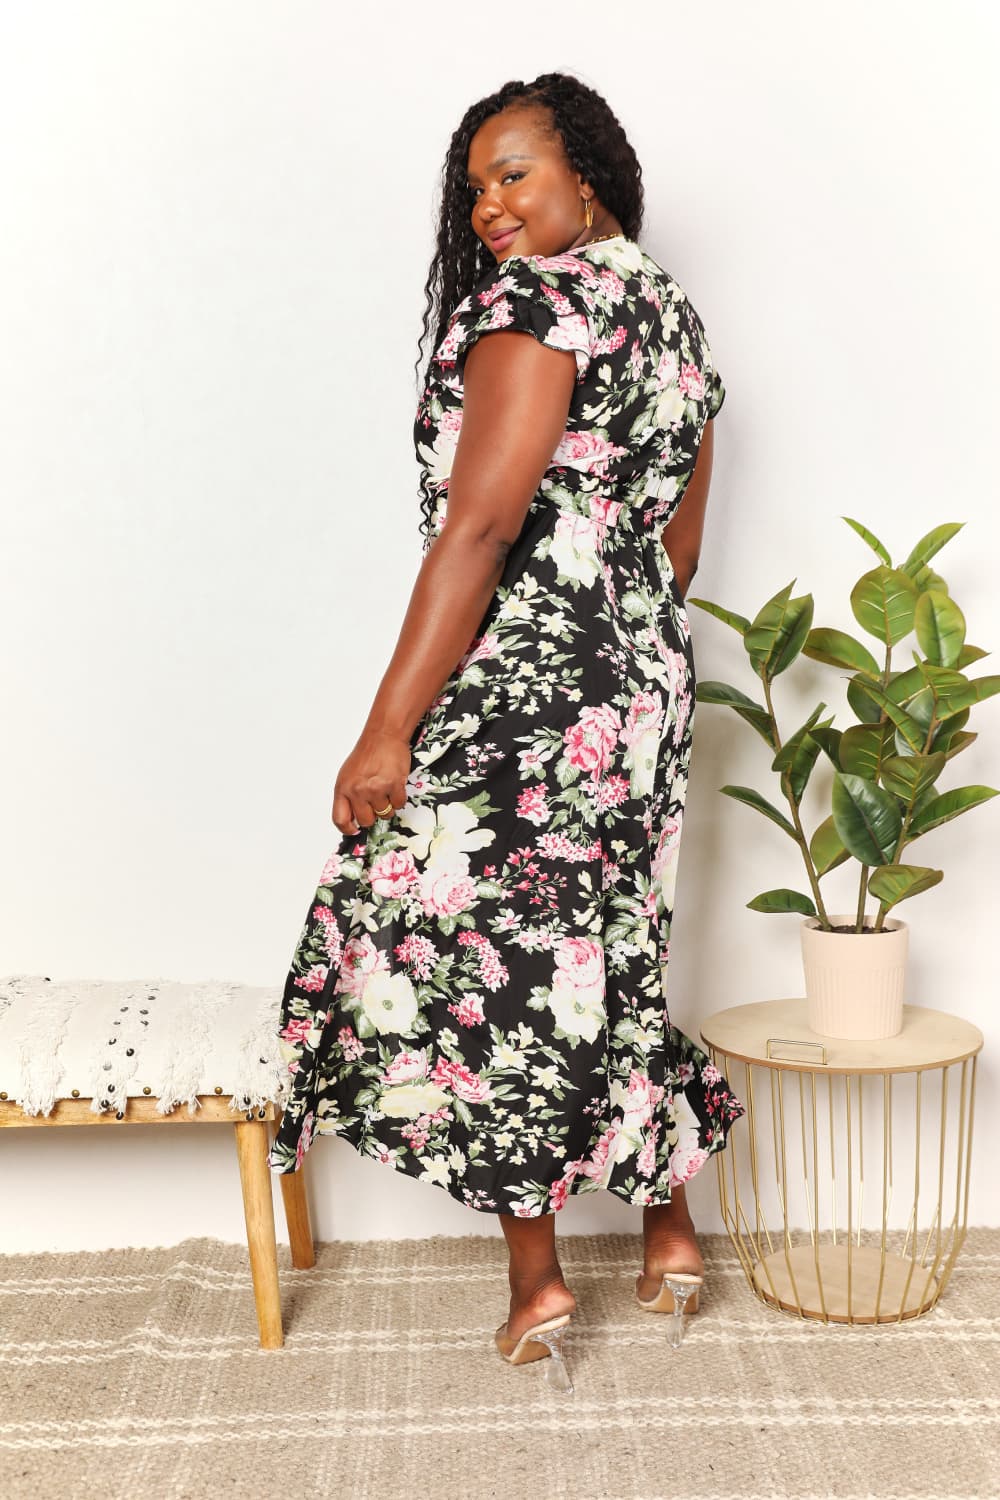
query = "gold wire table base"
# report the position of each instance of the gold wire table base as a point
(845, 1187)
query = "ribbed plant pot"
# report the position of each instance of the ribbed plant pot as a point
(855, 980)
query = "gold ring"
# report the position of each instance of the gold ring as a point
(383, 812)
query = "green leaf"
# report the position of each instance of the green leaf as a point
(828, 740)
(883, 602)
(940, 627)
(892, 883)
(729, 616)
(866, 817)
(926, 578)
(754, 799)
(864, 706)
(782, 899)
(906, 776)
(777, 632)
(840, 650)
(953, 744)
(911, 731)
(948, 805)
(969, 654)
(797, 756)
(862, 747)
(826, 849)
(928, 545)
(755, 714)
(871, 539)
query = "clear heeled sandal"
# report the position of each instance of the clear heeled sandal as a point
(543, 1341)
(678, 1294)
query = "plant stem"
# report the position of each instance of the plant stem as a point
(800, 837)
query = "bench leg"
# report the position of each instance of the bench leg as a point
(252, 1149)
(293, 1192)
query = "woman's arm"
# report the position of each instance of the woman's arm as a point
(516, 400)
(682, 534)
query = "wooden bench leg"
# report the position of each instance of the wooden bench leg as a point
(255, 1177)
(293, 1192)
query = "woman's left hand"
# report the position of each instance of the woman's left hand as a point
(372, 776)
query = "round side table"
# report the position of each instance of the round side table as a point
(866, 1145)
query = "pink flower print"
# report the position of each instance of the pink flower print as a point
(560, 302)
(315, 979)
(351, 1046)
(588, 744)
(469, 1011)
(710, 1073)
(531, 804)
(635, 360)
(586, 450)
(692, 382)
(499, 287)
(650, 293)
(484, 648)
(667, 372)
(419, 953)
(685, 1161)
(361, 959)
(645, 712)
(332, 869)
(297, 1030)
(598, 1162)
(613, 343)
(461, 1081)
(445, 892)
(611, 792)
(406, 1066)
(332, 940)
(646, 1160)
(605, 511)
(305, 1139)
(581, 960)
(612, 286)
(501, 315)
(393, 873)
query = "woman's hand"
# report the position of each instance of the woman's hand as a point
(373, 775)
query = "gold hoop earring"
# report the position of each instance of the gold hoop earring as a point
(588, 212)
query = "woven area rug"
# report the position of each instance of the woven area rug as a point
(137, 1373)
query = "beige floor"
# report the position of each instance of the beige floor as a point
(137, 1374)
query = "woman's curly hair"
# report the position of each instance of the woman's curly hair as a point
(596, 146)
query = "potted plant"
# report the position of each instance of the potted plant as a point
(908, 723)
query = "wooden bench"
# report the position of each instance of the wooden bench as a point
(161, 1053)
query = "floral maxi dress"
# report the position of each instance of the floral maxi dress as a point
(478, 994)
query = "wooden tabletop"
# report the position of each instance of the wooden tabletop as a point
(929, 1039)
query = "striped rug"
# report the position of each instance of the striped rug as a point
(136, 1373)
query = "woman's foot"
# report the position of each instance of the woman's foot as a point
(537, 1289)
(529, 1306)
(669, 1244)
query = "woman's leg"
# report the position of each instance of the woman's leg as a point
(537, 1288)
(669, 1242)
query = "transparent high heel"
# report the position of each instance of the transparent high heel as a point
(678, 1294)
(543, 1341)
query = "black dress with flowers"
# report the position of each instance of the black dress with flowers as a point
(477, 997)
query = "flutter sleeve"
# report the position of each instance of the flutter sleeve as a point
(529, 294)
(716, 394)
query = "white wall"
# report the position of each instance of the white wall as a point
(217, 224)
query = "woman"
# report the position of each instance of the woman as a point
(477, 997)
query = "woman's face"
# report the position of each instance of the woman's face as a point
(521, 181)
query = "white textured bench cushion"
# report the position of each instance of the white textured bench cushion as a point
(112, 1040)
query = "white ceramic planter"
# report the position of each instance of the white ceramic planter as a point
(855, 980)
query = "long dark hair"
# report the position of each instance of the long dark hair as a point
(596, 146)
